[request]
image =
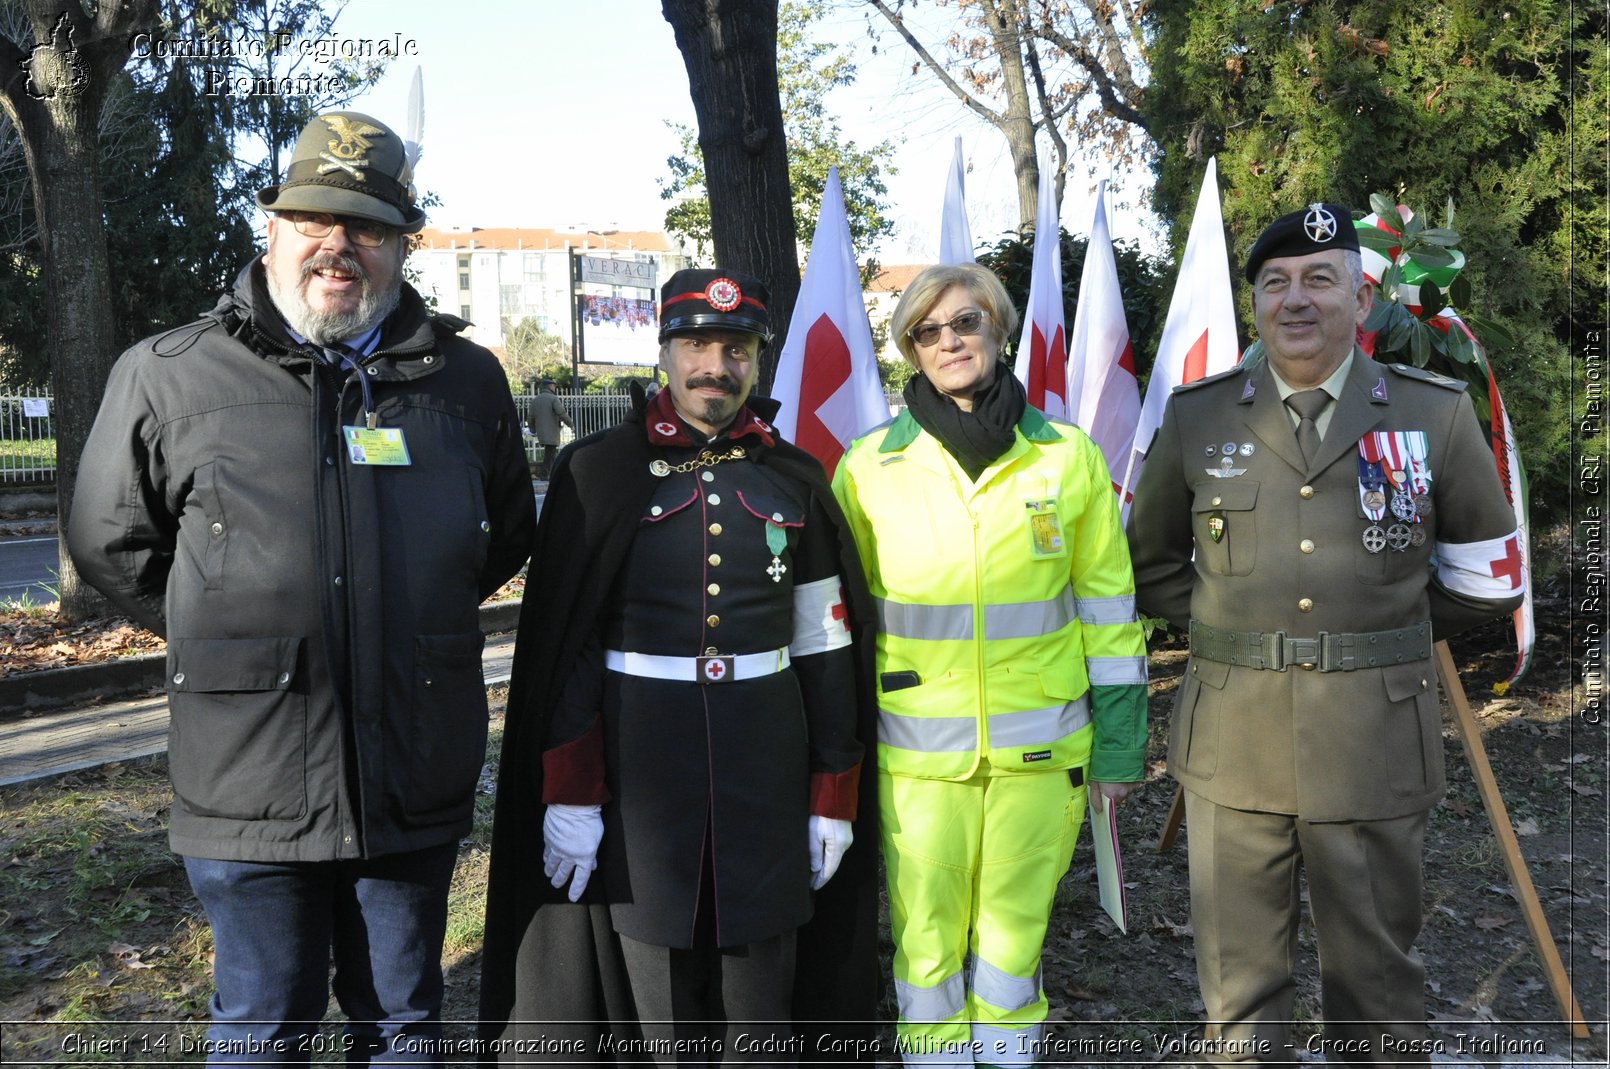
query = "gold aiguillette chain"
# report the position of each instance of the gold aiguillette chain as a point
(705, 459)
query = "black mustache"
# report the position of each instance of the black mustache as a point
(724, 385)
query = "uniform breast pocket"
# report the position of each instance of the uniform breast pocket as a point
(668, 500)
(781, 517)
(1223, 519)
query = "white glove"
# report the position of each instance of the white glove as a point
(570, 838)
(829, 839)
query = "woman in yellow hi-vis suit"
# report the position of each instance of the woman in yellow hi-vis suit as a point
(1011, 667)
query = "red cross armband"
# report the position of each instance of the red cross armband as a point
(821, 618)
(1489, 569)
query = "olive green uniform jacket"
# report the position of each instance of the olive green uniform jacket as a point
(1290, 556)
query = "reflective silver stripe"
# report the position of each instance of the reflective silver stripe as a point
(1114, 610)
(1113, 671)
(901, 619)
(1039, 726)
(1021, 619)
(928, 734)
(944, 1000)
(821, 620)
(1029, 619)
(958, 1053)
(1001, 989)
(1008, 1046)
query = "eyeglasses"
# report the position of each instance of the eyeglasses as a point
(963, 325)
(319, 224)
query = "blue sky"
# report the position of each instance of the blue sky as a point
(551, 112)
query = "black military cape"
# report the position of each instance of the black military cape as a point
(553, 985)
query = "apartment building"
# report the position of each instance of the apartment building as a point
(496, 277)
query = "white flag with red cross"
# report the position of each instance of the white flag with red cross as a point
(827, 376)
(1042, 352)
(1199, 336)
(1105, 398)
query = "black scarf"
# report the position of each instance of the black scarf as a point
(974, 438)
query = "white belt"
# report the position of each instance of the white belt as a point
(713, 669)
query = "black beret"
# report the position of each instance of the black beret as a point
(700, 298)
(1316, 228)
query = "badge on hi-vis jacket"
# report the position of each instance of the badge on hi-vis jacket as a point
(1045, 531)
(376, 445)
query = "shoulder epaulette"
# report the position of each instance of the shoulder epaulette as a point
(1409, 371)
(1193, 384)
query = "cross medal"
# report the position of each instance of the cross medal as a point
(776, 541)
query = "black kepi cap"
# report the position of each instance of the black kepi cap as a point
(1316, 228)
(698, 298)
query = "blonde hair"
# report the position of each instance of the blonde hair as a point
(926, 289)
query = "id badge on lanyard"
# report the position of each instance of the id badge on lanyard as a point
(1045, 529)
(376, 446)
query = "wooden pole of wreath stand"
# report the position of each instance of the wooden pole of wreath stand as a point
(1464, 722)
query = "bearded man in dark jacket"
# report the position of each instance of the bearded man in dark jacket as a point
(309, 491)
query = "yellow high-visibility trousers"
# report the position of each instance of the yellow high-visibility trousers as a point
(973, 867)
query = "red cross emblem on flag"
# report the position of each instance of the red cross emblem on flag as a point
(715, 669)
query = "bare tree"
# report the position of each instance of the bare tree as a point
(1065, 67)
(52, 88)
(730, 50)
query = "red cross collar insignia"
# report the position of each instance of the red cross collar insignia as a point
(665, 427)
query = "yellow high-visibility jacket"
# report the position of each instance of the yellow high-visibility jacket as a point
(1007, 640)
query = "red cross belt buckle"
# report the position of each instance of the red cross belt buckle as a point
(715, 669)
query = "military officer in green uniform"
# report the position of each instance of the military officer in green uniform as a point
(1315, 522)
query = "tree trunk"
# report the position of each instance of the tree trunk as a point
(730, 50)
(1017, 124)
(54, 100)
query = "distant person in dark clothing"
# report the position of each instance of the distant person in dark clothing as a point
(547, 414)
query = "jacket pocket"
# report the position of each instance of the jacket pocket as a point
(446, 743)
(1223, 521)
(206, 535)
(1413, 731)
(237, 736)
(1193, 737)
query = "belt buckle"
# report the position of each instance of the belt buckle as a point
(716, 669)
(1272, 647)
(1306, 652)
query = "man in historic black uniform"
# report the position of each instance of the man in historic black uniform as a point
(1315, 522)
(687, 719)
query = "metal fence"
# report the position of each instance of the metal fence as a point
(28, 432)
(27, 437)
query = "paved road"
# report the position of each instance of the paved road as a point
(28, 566)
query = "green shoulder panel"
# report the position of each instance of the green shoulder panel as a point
(1420, 374)
(1205, 380)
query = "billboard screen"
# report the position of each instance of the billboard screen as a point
(619, 330)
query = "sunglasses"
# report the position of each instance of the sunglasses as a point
(963, 325)
(319, 224)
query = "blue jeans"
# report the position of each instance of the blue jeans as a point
(274, 927)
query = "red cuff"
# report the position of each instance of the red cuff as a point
(573, 774)
(836, 794)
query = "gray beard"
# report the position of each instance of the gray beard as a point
(325, 328)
